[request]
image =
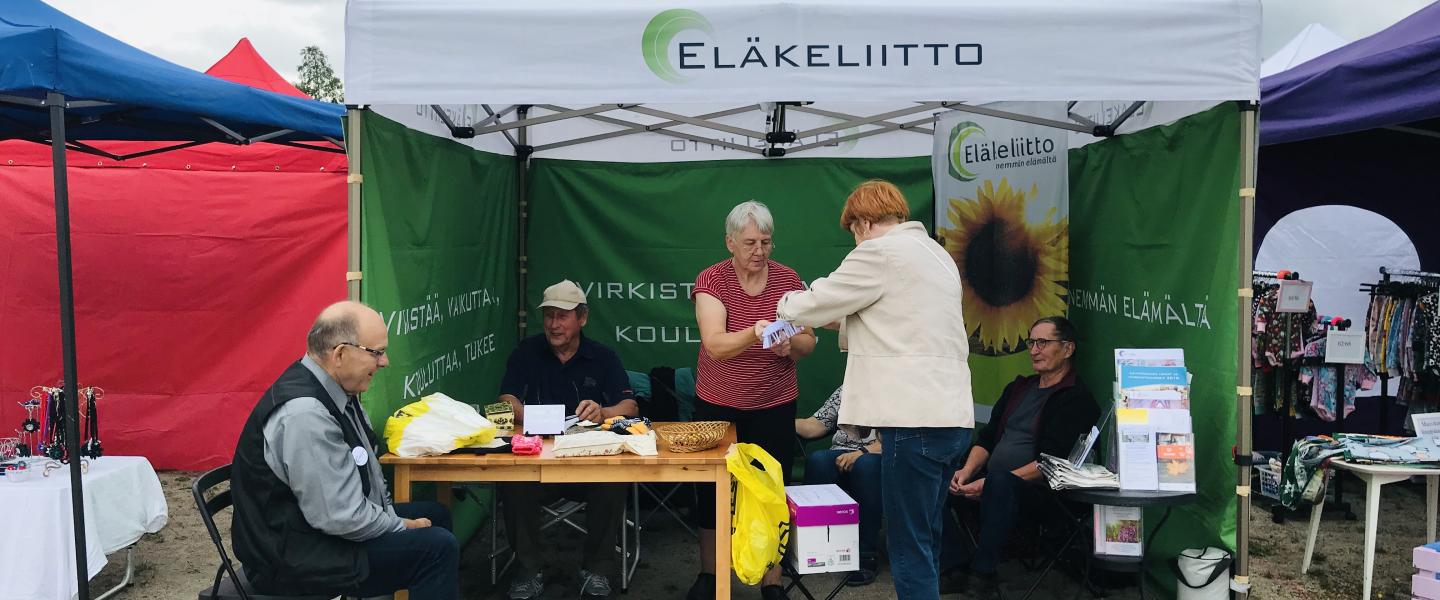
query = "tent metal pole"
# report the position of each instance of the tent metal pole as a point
(645, 110)
(353, 181)
(889, 125)
(885, 116)
(909, 126)
(980, 110)
(639, 128)
(56, 104)
(1249, 157)
(522, 204)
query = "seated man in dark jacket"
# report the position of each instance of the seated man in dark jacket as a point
(1045, 412)
(312, 515)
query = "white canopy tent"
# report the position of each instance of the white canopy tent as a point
(1312, 41)
(756, 79)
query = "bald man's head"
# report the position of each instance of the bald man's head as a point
(349, 340)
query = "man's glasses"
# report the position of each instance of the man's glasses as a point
(378, 354)
(1041, 343)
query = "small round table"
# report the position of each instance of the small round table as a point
(1136, 499)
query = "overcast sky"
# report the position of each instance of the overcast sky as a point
(196, 33)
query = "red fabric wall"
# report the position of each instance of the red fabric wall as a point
(197, 274)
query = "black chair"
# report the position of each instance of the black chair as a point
(1044, 541)
(230, 581)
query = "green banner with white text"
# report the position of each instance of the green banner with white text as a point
(438, 255)
(1154, 231)
(634, 236)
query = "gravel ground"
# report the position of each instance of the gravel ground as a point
(180, 560)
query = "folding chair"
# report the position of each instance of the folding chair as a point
(1038, 533)
(562, 512)
(230, 581)
(670, 399)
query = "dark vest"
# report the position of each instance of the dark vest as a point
(281, 552)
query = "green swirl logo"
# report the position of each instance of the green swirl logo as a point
(662, 29)
(958, 168)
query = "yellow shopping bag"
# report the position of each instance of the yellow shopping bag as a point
(760, 518)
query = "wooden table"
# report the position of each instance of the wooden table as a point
(1375, 477)
(695, 467)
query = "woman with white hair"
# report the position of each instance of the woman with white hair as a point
(736, 379)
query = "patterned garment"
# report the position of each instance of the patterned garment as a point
(829, 416)
(1303, 480)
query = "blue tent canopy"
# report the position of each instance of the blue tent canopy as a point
(115, 91)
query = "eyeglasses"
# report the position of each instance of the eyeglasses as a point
(1041, 343)
(378, 354)
(753, 245)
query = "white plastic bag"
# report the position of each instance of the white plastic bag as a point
(603, 443)
(436, 424)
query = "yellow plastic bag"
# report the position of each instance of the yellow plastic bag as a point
(760, 519)
(436, 424)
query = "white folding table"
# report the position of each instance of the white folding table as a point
(123, 501)
(1375, 477)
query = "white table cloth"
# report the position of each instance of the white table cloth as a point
(123, 501)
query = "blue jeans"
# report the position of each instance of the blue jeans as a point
(1003, 497)
(425, 561)
(917, 465)
(862, 483)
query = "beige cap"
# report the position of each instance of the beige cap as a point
(564, 296)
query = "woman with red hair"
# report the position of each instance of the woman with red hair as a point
(896, 300)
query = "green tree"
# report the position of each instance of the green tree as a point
(317, 79)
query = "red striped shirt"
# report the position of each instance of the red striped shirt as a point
(756, 378)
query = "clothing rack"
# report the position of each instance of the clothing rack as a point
(1375, 289)
(1386, 273)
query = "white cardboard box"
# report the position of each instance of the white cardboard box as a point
(825, 537)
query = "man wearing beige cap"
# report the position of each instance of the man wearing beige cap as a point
(561, 366)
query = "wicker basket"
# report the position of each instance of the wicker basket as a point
(694, 436)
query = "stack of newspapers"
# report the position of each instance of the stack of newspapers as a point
(1065, 476)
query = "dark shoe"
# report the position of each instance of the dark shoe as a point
(773, 592)
(955, 581)
(865, 575)
(703, 588)
(594, 585)
(984, 586)
(525, 587)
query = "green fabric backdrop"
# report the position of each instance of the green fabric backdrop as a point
(438, 255)
(1154, 226)
(636, 235)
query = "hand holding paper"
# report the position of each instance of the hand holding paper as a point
(777, 332)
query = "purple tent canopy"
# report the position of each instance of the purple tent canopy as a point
(1390, 78)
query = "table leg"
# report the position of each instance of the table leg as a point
(1316, 511)
(1432, 485)
(402, 483)
(1372, 519)
(1154, 533)
(722, 533)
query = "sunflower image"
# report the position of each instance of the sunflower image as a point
(1014, 272)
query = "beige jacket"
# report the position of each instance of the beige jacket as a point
(898, 300)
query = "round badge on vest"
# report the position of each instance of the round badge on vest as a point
(360, 455)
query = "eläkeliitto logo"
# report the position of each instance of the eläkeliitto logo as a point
(662, 29)
(962, 130)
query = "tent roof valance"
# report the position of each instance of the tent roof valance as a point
(577, 53)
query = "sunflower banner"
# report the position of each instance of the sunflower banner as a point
(1002, 210)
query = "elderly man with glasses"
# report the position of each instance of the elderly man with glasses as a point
(1045, 412)
(312, 515)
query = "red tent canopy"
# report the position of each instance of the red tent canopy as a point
(197, 274)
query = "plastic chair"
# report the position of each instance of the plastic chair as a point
(230, 582)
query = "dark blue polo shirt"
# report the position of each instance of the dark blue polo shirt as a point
(535, 376)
